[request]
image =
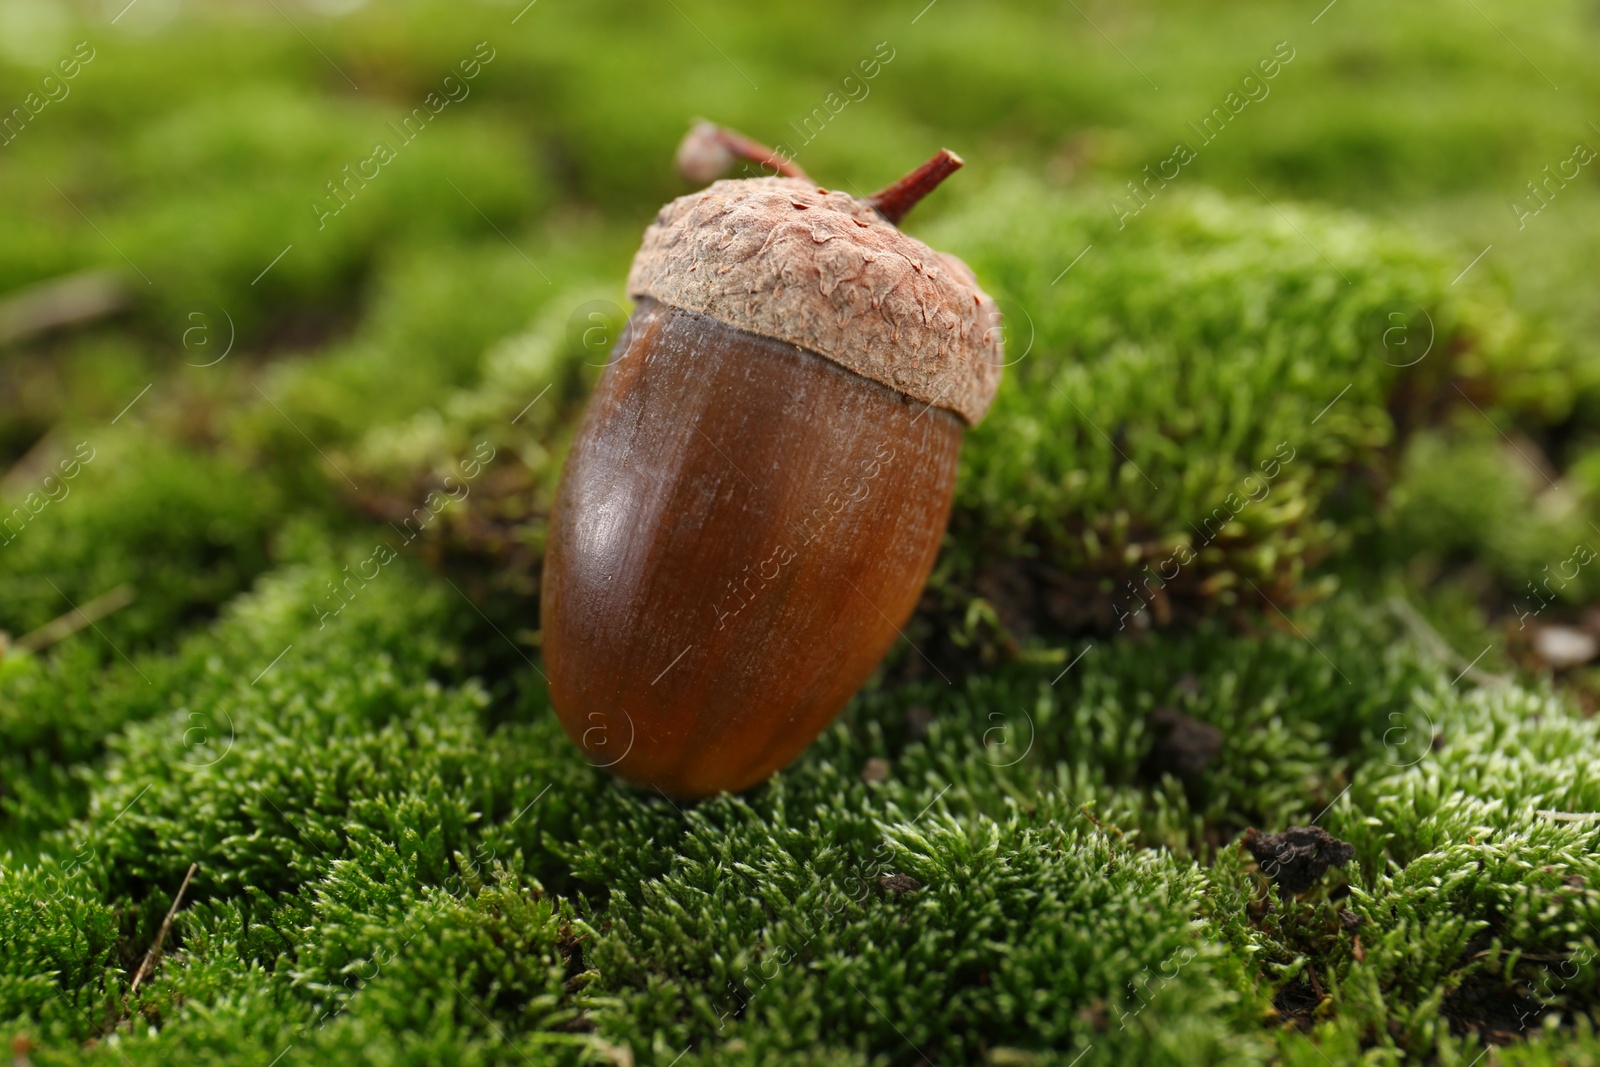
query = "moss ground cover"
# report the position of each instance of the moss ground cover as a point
(1286, 516)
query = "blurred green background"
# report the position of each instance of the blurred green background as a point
(270, 273)
(211, 180)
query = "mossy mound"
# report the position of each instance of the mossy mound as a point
(992, 870)
(1262, 730)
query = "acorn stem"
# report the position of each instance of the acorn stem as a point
(758, 153)
(708, 151)
(894, 202)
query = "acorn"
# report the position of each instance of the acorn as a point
(763, 475)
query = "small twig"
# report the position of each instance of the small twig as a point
(64, 626)
(1536, 957)
(67, 301)
(1439, 648)
(1104, 826)
(32, 466)
(1568, 816)
(897, 200)
(161, 935)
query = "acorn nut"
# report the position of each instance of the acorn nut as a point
(762, 478)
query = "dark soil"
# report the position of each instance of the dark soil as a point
(1297, 858)
(1485, 1005)
(899, 884)
(1297, 1003)
(1184, 746)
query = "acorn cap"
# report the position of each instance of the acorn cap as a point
(824, 270)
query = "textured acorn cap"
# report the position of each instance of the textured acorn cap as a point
(823, 270)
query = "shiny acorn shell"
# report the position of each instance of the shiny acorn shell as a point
(760, 484)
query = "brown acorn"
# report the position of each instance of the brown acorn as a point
(763, 475)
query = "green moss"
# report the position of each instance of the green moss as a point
(59, 940)
(350, 833)
(1476, 499)
(102, 508)
(1186, 400)
(331, 704)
